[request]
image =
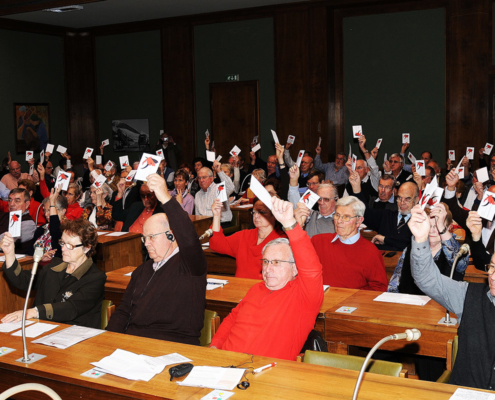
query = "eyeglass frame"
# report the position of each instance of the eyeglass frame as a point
(406, 200)
(327, 199)
(150, 237)
(261, 213)
(266, 263)
(488, 267)
(68, 245)
(337, 216)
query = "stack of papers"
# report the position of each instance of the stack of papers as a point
(207, 244)
(12, 326)
(136, 367)
(117, 233)
(36, 329)
(102, 233)
(401, 298)
(68, 337)
(215, 283)
(213, 377)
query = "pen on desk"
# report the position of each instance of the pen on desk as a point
(215, 283)
(264, 367)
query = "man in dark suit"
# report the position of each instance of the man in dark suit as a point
(393, 232)
(395, 166)
(385, 199)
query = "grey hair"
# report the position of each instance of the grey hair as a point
(261, 173)
(397, 155)
(278, 241)
(356, 204)
(208, 171)
(77, 189)
(331, 186)
(60, 203)
(228, 167)
(107, 191)
(388, 177)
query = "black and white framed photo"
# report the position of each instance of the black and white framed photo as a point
(131, 135)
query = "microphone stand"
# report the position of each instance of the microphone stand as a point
(29, 359)
(411, 334)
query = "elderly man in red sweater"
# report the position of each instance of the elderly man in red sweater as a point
(276, 316)
(349, 260)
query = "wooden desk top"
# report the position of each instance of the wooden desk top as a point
(400, 315)
(246, 207)
(475, 275)
(27, 260)
(61, 370)
(107, 240)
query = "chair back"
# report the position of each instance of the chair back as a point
(210, 326)
(352, 362)
(107, 308)
(235, 224)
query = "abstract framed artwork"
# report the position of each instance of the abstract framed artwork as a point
(32, 126)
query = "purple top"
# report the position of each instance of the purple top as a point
(187, 201)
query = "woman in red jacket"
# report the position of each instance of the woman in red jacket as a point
(247, 245)
(73, 194)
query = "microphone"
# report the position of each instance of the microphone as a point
(38, 253)
(208, 233)
(244, 180)
(462, 251)
(409, 335)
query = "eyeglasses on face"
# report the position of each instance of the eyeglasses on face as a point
(274, 263)
(406, 200)
(261, 213)
(152, 237)
(313, 183)
(326, 199)
(68, 245)
(345, 218)
(202, 178)
(384, 187)
(395, 162)
(490, 268)
(147, 195)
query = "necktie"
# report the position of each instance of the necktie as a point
(402, 221)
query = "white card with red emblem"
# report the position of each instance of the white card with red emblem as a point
(98, 160)
(29, 155)
(124, 161)
(411, 158)
(290, 139)
(106, 142)
(160, 153)
(452, 155)
(488, 149)
(147, 165)
(470, 153)
(486, 209)
(379, 143)
(420, 168)
(255, 139)
(221, 193)
(256, 148)
(354, 161)
(309, 199)
(435, 197)
(63, 178)
(88, 153)
(31, 169)
(299, 158)
(428, 192)
(15, 219)
(99, 181)
(108, 166)
(207, 133)
(460, 172)
(357, 131)
(235, 151)
(42, 156)
(131, 174)
(406, 138)
(275, 137)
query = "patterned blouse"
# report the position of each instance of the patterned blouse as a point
(104, 219)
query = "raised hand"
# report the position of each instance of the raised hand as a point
(158, 185)
(355, 182)
(419, 224)
(475, 225)
(301, 214)
(41, 171)
(283, 212)
(279, 151)
(404, 147)
(452, 178)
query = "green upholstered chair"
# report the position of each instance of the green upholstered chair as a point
(107, 309)
(354, 363)
(235, 224)
(211, 324)
(445, 377)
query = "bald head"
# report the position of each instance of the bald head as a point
(362, 169)
(158, 220)
(15, 169)
(492, 189)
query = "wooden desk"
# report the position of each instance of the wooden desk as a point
(475, 275)
(112, 252)
(12, 299)
(220, 264)
(374, 320)
(245, 217)
(201, 223)
(61, 370)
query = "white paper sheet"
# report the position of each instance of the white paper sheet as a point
(235, 151)
(275, 137)
(213, 377)
(210, 155)
(102, 233)
(61, 149)
(63, 178)
(488, 149)
(401, 298)
(148, 165)
(117, 233)
(15, 220)
(379, 143)
(49, 148)
(486, 208)
(309, 199)
(12, 326)
(221, 193)
(470, 153)
(98, 160)
(36, 329)
(124, 161)
(68, 337)
(256, 148)
(29, 155)
(260, 192)
(357, 131)
(406, 138)
(482, 175)
(452, 155)
(106, 142)
(299, 158)
(468, 394)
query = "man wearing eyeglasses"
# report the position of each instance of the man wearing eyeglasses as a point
(321, 221)
(366, 180)
(393, 232)
(394, 166)
(385, 198)
(349, 260)
(275, 316)
(165, 298)
(19, 200)
(473, 304)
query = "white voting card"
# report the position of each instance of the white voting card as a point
(354, 161)
(385, 159)
(108, 166)
(309, 199)
(29, 155)
(88, 153)
(452, 155)
(221, 193)
(31, 169)
(482, 175)
(124, 161)
(488, 149)
(411, 158)
(49, 148)
(290, 139)
(275, 137)
(15, 219)
(235, 151)
(99, 181)
(435, 197)
(160, 153)
(260, 192)
(470, 153)
(147, 165)
(460, 172)
(98, 160)
(207, 133)
(486, 209)
(256, 148)
(218, 158)
(106, 142)
(420, 168)
(130, 176)
(63, 178)
(406, 138)
(61, 149)
(42, 156)
(69, 164)
(210, 155)
(255, 139)
(299, 158)
(319, 141)
(379, 143)
(357, 131)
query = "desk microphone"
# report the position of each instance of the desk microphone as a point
(38, 253)
(409, 334)
(462, 251)
(208, 233)
(244, 180)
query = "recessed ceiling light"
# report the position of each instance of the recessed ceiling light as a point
(64, 9)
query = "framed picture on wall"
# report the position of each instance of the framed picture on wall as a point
(131, 135)
(32, 126)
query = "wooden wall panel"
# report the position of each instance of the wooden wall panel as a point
(468, 62)
(178, 87)
(82, 125)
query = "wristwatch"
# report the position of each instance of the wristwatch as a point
(289, 228)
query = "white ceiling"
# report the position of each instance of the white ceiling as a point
(120, 11)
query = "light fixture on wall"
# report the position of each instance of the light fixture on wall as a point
(64, 9)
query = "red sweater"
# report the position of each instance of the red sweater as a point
(277, 323)
(354, 266)
(242, 246)
(74, 211)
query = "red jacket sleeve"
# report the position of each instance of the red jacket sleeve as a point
(44, 189)
(224, 330)
(226, 245)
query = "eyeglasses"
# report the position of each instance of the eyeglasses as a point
(68, 245)
(147, 195)
(202, 178)
(345, 218)
(261, 213)
(489, 268)
(313, 183)
(384, 187)
(18, 201)
(406, 200)
(395, 162)
(274, 263)
(152, 237)
(326, 199)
